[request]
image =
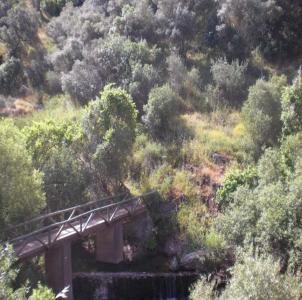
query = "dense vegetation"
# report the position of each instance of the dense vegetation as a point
(198, 99)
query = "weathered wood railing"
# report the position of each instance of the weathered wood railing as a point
(49, 228)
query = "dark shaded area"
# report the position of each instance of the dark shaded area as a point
(134, 287)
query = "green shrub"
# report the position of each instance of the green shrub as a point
(21, 192)
(256, 278)
(292, 106)
(267, 215)
(232, 181)
(262, 114)
(109, 127)
(147, 155)
(229, 79)
(54, 7)
(194, 222)
(55, 150)
(161, 110)
(42, 292)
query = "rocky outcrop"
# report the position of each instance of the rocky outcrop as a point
(195, 260)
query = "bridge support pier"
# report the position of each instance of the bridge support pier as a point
(109, 244)
(58, 267)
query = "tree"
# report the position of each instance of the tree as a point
(18, 26)
(54, 7)
(272, 26)
(109, 128)
(229, 79)
(161, 110)
(10, 76)
(262, 113)
(175, 21)
(82, 83)
(137, 22)
(292, 106)
(8, 274)
(21, 193)
(270, 213)
(55, 148)
(247, 16)
(253, 277)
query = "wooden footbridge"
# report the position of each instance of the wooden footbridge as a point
(52, 234)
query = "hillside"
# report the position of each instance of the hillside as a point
(199, 100)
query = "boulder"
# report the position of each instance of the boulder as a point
(194, 260)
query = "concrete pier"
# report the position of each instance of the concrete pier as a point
(109, 244)
(58, 265)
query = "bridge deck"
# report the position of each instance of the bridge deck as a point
(74, 223)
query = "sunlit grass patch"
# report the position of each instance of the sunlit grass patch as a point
(58, 108)
(218, 132)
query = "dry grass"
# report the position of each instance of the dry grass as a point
(56, 108)
(46, 41)
(219, 132)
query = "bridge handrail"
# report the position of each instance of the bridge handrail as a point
(78, 217)
(63, 211)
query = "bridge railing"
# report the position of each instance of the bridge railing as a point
(58, 216)
(76, 219)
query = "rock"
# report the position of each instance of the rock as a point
(172, 247)
(194, 261)
(219, 159)
(173, 264)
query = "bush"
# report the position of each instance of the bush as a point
(194, 222)
(109, 126)
(8, 277)
(10, 76)
(253, 277)
(232, 181)
(54, 7)
(53, 83)
(51, 145)
(229, 79)
(161, 110)
(21, 194)
(262, 113)
(83, 83)
(291, 107)
(147, 155)
(269, 213)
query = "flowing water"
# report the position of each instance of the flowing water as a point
(132, 286)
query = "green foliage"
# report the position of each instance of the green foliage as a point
(10, 75)
(55, 148)
(54, 7)
(21, 194)
(270, 213)
(229, 79)
(253, 277)
(147, 155)
(291, 152)
(262, 114)
(42, 292)
(109, 128)
(233, 180)
(161, 110)
(8, 274)
(44, 137)
(291, 107)
(160, 179)
(194, 221)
